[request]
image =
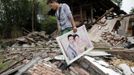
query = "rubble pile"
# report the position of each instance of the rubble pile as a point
(28, 47)
(34, 39)
(39, 54)
(112, 38)
(44, 68)
(34, 44)
(107, 65)
(38, 44)
(116, 61)
(55, 68)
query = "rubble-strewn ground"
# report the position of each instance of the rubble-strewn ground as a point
(39, 54)
(44, 68)
(117, 61)
(28, 47)
(37, 44)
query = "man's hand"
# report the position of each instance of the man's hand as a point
(74, 29)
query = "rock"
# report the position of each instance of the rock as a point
(44, 55)
(15, 45)
(98, 53)
(59, 57)
(132, 68)
(21, 39)
(26, 45)
(33, 45)
(126, 69)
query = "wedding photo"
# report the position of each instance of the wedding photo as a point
(75, 45)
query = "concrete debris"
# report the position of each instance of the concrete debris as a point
(36, 44)
(113, 39)
(98, 53)
(116, 61)
(126, 69)
(132, 68)
(106, 70)
(43, 68)
(60, 57)
(130, 43)
(105, 65)
(34, 39)
(42, 55)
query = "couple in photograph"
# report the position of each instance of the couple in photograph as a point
(75, 46)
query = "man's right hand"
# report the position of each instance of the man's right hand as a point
(74, 29)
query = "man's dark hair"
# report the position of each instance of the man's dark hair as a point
(51, 1)
(75, 35)
(70, 35)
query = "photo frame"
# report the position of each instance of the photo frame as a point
(75, 45)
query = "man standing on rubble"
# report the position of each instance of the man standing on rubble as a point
(65, 21)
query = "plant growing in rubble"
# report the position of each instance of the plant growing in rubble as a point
(49, 24)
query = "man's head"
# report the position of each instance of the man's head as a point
(70, 38)
(53, 4)
(76, 37)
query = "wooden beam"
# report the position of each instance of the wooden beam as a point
(91, 68)
(10, 67)
(103, 16)
(27, 66)
(124, 54)
(12, 70)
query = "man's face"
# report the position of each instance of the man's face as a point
(77, 38)
(53, 5)
(70, 39)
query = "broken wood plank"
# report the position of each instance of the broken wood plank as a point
(30, 39)
(27, 66)
(124, 54)
(12, 70)
(103, 16)
(12, 66)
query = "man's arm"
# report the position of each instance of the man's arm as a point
(73, 24)
(69, 15)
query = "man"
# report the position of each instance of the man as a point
(65, 21)
(71, 49)
(80, 44)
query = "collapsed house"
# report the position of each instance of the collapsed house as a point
(104, 18)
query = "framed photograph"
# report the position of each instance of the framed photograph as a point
(75, 45)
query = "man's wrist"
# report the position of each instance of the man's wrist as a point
(74, 27)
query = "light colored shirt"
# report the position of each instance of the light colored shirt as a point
(65, 15)
(71, 52)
